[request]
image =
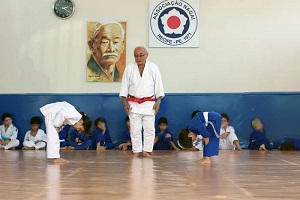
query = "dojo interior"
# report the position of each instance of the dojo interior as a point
(246, 65)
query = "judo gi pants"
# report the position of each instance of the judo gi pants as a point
(53, 142)
(12, 143)
(39, 145)
(212, 148)
(137, 123)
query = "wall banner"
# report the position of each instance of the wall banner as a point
(174, 23)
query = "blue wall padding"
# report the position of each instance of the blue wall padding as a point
(279, 112)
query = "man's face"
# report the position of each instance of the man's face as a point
(108, 44)
(7, 121)
(140, 56)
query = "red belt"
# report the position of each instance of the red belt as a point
(140, 100)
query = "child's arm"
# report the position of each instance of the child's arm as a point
(197, 125)
(108, 142)
(26, 137)
(155, 139)
(125, 145)
(168, 138)
(255, 140)
(237, 144)
(74, 136)
(174, 146)
(224, 135)
(14, 133)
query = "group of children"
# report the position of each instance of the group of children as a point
(100, 139)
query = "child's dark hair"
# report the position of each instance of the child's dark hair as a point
(287, 146)
(162, 120)
(194, 113)
(184, 140)
(100, 119)
(6, 115)
(35, 120)
(87, 122)
(225, 116)
(127, 119)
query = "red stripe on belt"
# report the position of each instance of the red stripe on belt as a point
(140, 100)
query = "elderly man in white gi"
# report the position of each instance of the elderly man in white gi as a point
(142, 91)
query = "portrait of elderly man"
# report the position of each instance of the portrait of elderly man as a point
(106, 59)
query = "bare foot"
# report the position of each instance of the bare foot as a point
(12, 148)
(28, 148)
(59, 161)
(1, 148)
(63, 148)
(70, 148)
(146, 154)
(137, 155)
(204, 161)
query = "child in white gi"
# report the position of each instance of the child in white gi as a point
(35, 138)
(56, 116)
(228, 138)
(8, 133)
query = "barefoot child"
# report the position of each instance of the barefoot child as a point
(35, 138)
(208, 125)
(126, 145)
(56, 116)
(79, 141)
(163, 138)
(228, 138)
(8, 133)
(258, 139)
(101, 138)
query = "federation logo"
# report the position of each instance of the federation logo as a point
(173, 23)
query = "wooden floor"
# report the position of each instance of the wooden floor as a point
(169, 175)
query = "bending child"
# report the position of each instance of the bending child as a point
(208, 125)
(56, 116)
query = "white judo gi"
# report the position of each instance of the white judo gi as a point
(142, 115)
(30, 141)
(227, 143)
(11, 133)
(57, 115)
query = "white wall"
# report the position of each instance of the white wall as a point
(245, 46)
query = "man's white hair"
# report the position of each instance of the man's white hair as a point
(99, 25)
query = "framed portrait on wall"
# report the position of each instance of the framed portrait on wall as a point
(106, 51)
